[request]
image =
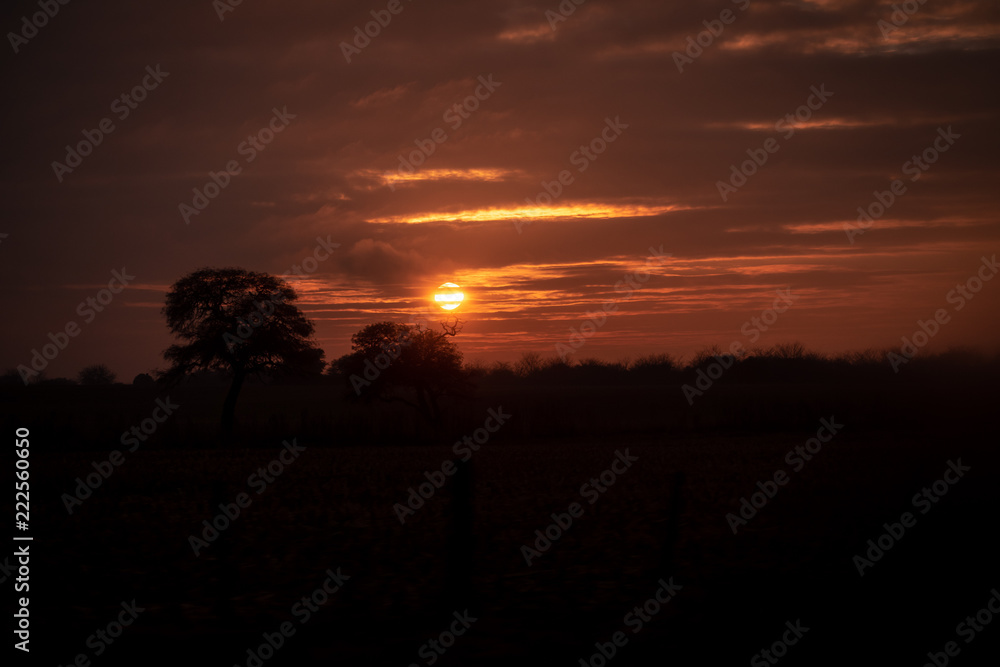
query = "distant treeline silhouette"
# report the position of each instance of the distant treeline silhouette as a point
(239, 337)
(788, 362)
(784, 388)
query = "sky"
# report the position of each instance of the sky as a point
(656, 173)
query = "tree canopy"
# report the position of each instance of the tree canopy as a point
(238, 321)
(405, 363)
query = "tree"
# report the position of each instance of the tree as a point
(307, 369)
(404, 363)
(97, 374)
(236, 321)
(530, 363)
(11, 378)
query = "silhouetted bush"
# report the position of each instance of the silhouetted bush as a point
(97, 374)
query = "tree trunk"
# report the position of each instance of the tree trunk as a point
(428, 406)
(229, 406)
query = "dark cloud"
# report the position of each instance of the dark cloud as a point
(325, 174)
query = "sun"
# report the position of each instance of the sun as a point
(449, 296)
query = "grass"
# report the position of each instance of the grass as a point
(333, 508)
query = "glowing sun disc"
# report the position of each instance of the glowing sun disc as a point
(449, 296)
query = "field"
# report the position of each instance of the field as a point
(664, 517)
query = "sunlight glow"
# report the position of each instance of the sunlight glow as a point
(604, 211)
(484, 175)
(449, 296)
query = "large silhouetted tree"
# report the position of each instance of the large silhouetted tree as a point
(404, 363)
(236, 321)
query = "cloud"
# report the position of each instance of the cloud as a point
(379, 262)
(333, 171)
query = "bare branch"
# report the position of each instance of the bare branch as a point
(452, 326)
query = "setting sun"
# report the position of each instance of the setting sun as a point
(449, 296)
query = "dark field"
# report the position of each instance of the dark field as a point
(333, 508)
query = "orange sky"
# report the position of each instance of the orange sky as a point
(573, 150)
